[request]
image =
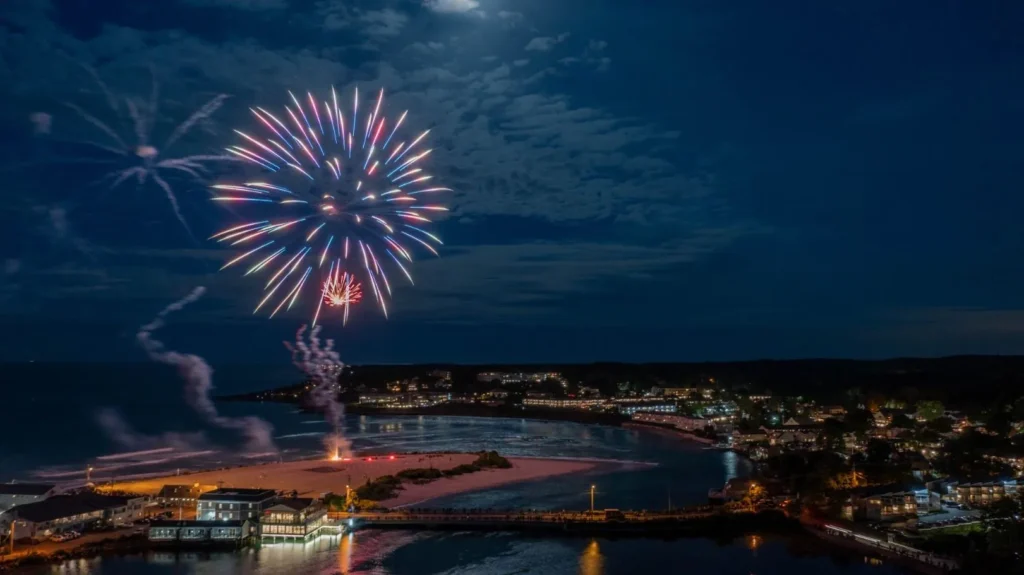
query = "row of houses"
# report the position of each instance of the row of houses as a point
(49, 513)
(35, 511)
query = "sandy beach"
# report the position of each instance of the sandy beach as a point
(312, 478)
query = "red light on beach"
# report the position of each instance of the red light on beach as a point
(346, 459)
(369, 459)
(391, 457)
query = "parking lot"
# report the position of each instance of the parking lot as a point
(951, 516)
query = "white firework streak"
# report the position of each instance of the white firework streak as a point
(147, 161)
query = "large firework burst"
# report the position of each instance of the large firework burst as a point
(343, 196)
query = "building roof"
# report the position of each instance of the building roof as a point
(293, 503)
(179, 491)
(193, 523)
(239, 494)
(26, 488)
(68, 505)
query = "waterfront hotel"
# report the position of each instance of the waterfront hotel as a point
(292, 520)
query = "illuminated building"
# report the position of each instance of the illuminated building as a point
(630, 409)
(984, 493)
(519, 377)
(72, 512)
(560, 403)
(292, 520)
(886, 503)
(195, 531)
(233, 504)
(180, 495)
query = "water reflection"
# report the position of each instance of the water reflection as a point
(730, 460)
(591, 560)
(345, 553)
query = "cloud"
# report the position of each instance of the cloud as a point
(509, 142)
(385, 22)
(510, 19)
(451, 6)
(517, 283)
(425, 48)
(375, 25)
(252, 5)
(541, 44)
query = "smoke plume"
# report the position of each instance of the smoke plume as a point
(126, 437)
(322, 364)
(198, 377)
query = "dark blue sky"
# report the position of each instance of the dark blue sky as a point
(666, 180)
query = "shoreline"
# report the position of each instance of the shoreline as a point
(316, 477)
(669, 431)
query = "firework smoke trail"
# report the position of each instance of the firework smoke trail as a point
(199, 380)
(322, 364)
(340, 197)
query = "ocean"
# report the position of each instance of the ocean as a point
(58, 436)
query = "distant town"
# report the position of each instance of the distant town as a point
(927, 451)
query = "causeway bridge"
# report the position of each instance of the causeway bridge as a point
(680, 521)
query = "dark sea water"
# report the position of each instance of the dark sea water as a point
(62, 437)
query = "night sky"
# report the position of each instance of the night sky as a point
(659, 180)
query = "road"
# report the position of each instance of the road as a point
(48, 547)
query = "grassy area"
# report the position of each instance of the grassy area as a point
(952, 530)
(388, 486)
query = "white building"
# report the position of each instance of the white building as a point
(233, 504)
(12, 494)
(72, 512)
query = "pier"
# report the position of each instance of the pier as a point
(689, 521)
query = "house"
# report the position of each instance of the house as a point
(798, 422)
(200, 531)
(73, 512)
(743, 438)
(12, 494)
(180, 495)
(292, 519)
(230, 504)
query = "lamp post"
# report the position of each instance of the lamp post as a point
(592, 487)
(88, 474)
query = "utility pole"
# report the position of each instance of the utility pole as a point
(14, 523)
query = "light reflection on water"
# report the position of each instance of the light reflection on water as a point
(408, 553)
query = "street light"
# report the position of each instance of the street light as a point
(592, 488)
(88, 474)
